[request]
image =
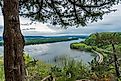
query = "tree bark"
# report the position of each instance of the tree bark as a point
(13, 42)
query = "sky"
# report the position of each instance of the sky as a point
(110, 23)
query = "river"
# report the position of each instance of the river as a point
(49, 51)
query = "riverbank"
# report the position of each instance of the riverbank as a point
(84, 47)
(99, 43)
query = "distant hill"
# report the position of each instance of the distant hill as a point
(66, 36)
(29, 40)
(77, 36)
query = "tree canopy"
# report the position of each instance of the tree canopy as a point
(66, 12)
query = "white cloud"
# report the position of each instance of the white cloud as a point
(36, 28)
(1, 20)
(110, 22)
(113, 17)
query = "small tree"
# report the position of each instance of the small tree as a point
(101, 71)
(110, 39)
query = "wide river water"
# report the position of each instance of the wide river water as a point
(49, 51)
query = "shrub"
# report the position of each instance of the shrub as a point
(70, 71)
(88, 48)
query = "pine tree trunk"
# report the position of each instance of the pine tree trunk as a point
(13, 42)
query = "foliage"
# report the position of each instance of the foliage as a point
(109, 48)
(2, 78)
(1, 43)
(103, 39)
(112, 39)
(35, 69)
(118, 48)
(100, 42)
(66, 12)
(81, 46)
(70, 71)
(108, 44)
(91, 40)
(102, 71)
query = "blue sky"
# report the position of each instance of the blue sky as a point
(110, 23)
